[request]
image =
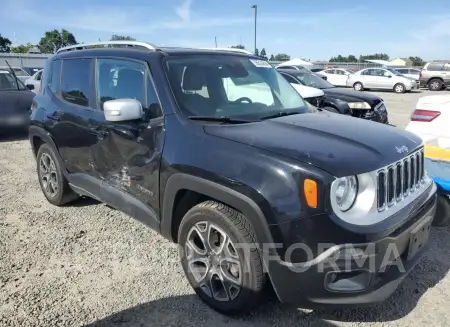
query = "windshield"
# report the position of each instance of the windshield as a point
(8, 82)
(313, 80)
(393, 71)
(230, 86)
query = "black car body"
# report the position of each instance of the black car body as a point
(190, 162)
(15, 104)
(343, 100)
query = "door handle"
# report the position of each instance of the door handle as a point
(53, 117)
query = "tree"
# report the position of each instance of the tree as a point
(263, 53)
(116, 37)
(239, 46)
(5, 44)
(350, 58)
(282, 57)
(53, 40)
(417, 61)
(376, 56)
(22, 48)
(256, 52)
(272, 58)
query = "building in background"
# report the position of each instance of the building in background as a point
(401, 62)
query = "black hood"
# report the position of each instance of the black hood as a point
(350, 95)
(339, 144)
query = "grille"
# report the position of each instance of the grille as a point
(398, 180)
(316, 101)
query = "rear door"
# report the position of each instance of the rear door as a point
(74, 105)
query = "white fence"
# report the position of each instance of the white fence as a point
(23, 59)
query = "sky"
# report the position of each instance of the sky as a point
(314, 30)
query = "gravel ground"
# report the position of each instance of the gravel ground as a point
(89, 265)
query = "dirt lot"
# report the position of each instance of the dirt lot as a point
(87, 264)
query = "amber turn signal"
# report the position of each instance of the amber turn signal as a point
(310, 190)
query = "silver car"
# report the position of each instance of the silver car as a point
(381, 78)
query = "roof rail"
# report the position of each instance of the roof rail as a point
(230, 49)
(82, 46)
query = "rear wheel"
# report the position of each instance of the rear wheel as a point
(358, 86)
(435, 84)
(223, 271)
(51, 178)
(442, 215)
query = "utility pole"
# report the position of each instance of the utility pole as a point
(256, 14)
(215, 40)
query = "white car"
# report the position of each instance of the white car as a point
(312, 95)
(336, 76)
(382, 79)
(430, 122)
(35, 80)
(20, 73)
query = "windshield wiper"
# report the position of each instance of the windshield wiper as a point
(280, 114)
(228, 120)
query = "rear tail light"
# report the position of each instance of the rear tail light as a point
(424, 115)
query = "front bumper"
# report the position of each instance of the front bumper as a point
(356, 274)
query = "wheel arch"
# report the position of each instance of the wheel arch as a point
(179, 184)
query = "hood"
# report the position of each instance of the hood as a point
(339, 144)
(307, 91)
(350, 95)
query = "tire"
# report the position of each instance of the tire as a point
(435, 84)
(442, 215)
(53, 183)
(213, 218)
(399, 88)
(358, 86)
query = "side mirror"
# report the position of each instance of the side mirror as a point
(387, 75)
(30, 87)
(123, 110)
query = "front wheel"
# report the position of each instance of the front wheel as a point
(220, 259)
(399, 88)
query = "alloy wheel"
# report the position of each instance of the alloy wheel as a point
(434, 85)
(213, 261)
(49, 178)
(399, 88)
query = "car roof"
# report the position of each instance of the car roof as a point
(294, 71)
(134, 52)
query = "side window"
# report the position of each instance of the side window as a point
(75, 86)
(126, 79)
(435, 66)
(55, 78)
(340, 72)
(330, 71)
(366, 72)
(120, 79)
(290, 79)
(402, 70)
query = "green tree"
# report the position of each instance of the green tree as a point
(282, 57)
(23, 48)
(239, 46)
(272, 58)
(256, 52)
(417, 61)
(53, 40)
(116, 37)
(5, 44)
(263, 53)
(376, 56)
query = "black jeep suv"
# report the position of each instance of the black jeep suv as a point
(216, 151)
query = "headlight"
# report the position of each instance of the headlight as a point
(359, 105)
(346, 191)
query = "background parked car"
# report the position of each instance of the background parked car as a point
(413, 73)
(35, 80)
(435, 75)
(381, 78)
(336, 76)
(306, 70)
(15, 103)
(20, 73)
(32, 70)
(342, 100)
